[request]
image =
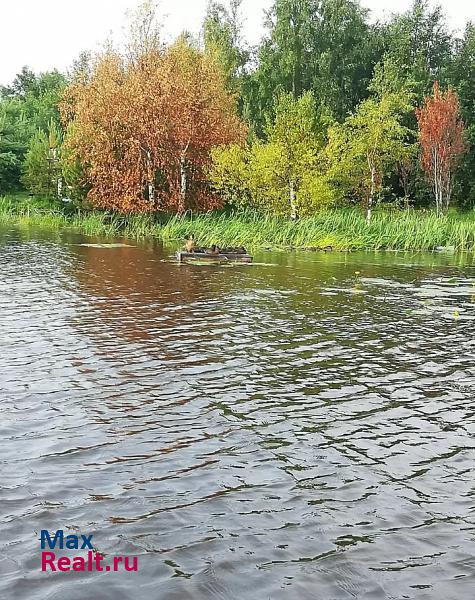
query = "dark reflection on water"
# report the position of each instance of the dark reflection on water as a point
(283, 430)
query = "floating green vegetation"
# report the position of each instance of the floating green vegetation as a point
(344, 229)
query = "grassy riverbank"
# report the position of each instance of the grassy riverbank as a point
(339, 229)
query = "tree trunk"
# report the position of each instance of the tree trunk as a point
(183, 183)
(369, 208)
(151, 187)
(149, 175)
(448, 190)
(293, 204)
(437, 182)
(296, 33)
(404, 170)
(183, 179)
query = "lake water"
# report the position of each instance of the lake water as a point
(285, 430)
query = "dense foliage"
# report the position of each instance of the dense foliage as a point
(441, 138)
(144, 129)
(329, 110)
(27, 109)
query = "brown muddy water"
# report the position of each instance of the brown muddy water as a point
(286, 430)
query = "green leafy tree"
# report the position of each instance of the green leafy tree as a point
(230, 174)
(24, 83)
(13, 140)
(419, 43)
(30, 104)
(73, 174)
(463, 78)
(292, 24)
(279, 176)
(323, 46)
(221, 34)
(10, 169)
(367, 147)
(284, 59)
(346, 49)
(81, 68)
(295, 139)
(42, 166)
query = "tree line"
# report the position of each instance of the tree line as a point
(329, 110)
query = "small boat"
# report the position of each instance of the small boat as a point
(222, 257)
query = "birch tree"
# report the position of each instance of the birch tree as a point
(144, 129)
(367, 146)
(441, 137)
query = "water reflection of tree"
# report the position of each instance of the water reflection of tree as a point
(136, 292)
(214, 314)
(142, 295)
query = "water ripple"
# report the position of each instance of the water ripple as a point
(285, 430)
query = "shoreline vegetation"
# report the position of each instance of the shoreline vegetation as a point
(337, 229)
(271, 146)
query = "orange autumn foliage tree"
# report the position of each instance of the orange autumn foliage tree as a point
(144, 129)
(441, 136)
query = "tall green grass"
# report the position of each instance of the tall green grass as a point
(338, 229)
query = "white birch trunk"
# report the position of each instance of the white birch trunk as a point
(151, 187)
(369, 209)
(183, 178)
(183, 182)
(293, 203)
(437, 182)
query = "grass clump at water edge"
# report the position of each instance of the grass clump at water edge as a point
(344, 229)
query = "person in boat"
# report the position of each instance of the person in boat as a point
(213, 250)
(190, 244)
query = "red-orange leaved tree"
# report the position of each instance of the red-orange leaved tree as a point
(144, 129)
(441, 136)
